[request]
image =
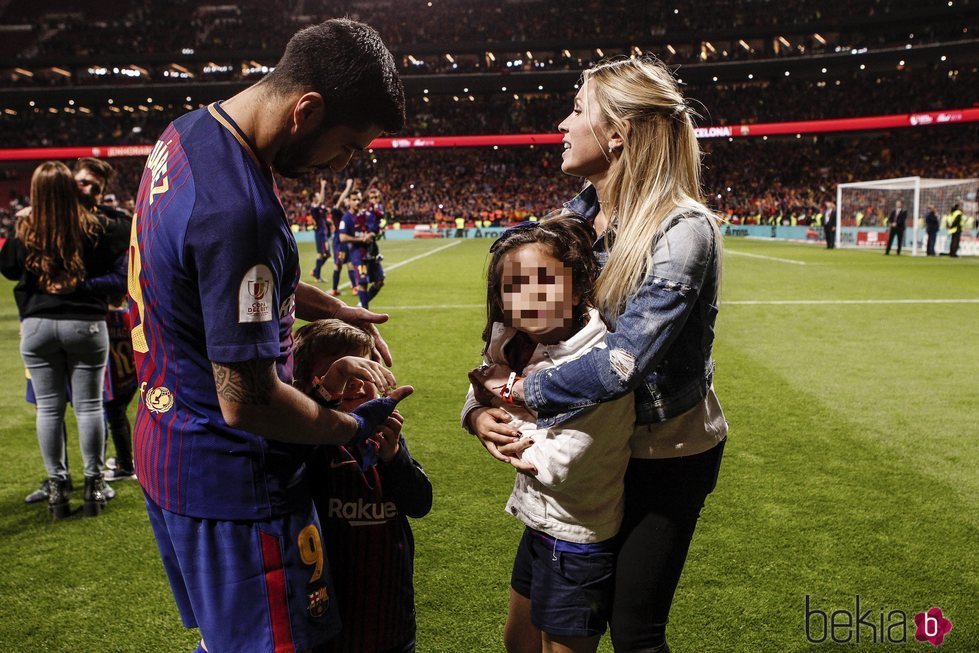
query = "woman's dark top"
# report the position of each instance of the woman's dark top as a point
(100, 256)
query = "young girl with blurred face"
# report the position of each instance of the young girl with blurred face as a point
(630, 135)
(568, 492)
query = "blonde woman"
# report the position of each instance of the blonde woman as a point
(59, 246)
(631, 137)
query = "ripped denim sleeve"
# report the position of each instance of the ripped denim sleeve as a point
(643, 334)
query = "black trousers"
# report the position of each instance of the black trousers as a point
(120, 430)
(830, 233)
(895, 233)
(953, 247)
(663, 499)
(930, 248)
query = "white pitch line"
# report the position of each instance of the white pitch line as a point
(774, 302)
(410, 260)
(831, 302)
(767, 258)
(433, 307)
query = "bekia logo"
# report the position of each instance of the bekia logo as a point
(870, 626)
(932, 626)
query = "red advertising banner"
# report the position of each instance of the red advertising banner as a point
(896, 121)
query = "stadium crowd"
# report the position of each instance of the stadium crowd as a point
(504, 113)
(189, 27)
(747, 180)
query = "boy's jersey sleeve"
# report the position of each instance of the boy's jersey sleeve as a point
(406, 483)
(238, 284)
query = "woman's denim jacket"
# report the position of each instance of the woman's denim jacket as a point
(661, 346)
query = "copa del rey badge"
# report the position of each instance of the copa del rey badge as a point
(255, 295)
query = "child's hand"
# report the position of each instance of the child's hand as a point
(354, 367)
(388, 438)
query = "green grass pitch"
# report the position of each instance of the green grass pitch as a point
(851, 467)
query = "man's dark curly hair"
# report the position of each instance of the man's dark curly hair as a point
(347, 63)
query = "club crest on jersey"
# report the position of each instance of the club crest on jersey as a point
(319, 601)
(254, 295)
(158, 399)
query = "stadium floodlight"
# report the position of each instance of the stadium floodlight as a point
(864, 206)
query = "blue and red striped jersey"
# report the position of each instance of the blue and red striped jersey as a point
(369, 543)
(356, 227)
(213, 274)
(336, 215)
(319, 214)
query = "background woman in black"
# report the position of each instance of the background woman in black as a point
(56, 247)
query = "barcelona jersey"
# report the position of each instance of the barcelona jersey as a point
(213, 274)
(318, 213)
(355, 226)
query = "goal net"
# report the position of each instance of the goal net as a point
(864, 208)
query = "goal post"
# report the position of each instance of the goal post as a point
(864, 206)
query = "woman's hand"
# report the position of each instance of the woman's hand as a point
(492, 427)
(489, 381)
(482, 394)
(514, 452)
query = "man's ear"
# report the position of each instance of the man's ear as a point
(307, 113)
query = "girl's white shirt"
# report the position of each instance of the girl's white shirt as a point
(577, 494)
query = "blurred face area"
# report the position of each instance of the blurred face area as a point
(374, 196)
(585, 147)
(537, 293)
(356, 391)
(90, 186)
(311, 147)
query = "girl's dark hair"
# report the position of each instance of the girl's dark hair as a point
(567, 238)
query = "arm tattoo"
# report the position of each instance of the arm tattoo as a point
(249, 382)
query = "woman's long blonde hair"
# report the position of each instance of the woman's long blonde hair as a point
(656, 174)
(53, 232)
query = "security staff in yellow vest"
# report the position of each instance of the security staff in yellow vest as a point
(460, 227)
(953, 225)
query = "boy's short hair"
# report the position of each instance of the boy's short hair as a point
(326, 339)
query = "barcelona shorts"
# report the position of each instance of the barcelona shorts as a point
(375, 271)
(322, 242)
(250, 586)
(339, 254)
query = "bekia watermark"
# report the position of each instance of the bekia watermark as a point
(873, 626)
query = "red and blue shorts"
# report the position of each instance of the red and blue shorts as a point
(249, 585)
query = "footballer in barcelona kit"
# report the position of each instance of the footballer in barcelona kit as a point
(231, 510)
